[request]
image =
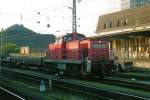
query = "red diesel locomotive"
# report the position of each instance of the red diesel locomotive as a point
(80, 56)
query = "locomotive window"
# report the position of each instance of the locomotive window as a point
(64, 39)
(103, 45)
(99, 46)
(67, 38)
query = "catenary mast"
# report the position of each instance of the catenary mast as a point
(74, 21)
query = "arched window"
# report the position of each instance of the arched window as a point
(125, 21)
(104, 25)
(110, 24)
(118, 23)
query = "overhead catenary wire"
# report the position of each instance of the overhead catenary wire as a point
(136, 16)
(43, 14)
(47, 12)
(14, 36)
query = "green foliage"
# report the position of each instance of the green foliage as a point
(9, 47)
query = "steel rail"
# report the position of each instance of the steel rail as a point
(11, 93)
(85, 87)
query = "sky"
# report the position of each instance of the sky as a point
(56, 13)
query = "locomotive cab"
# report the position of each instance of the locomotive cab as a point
(95, 55)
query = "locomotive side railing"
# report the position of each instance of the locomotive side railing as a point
(79, 54)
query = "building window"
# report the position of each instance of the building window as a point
(125, 21)
(104, 25)
(110, 24)
(118, 23)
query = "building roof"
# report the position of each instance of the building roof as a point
(126, 21)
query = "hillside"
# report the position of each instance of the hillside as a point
(22, 36)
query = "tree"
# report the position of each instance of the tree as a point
(9, 47)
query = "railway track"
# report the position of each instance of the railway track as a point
(132, 76)
(123, 82)
(145, 85)
(103, 94)
(8, 95)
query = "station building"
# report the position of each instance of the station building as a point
(129, 34)
(127, 4)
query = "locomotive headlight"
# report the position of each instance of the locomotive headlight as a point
(99, 41)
